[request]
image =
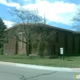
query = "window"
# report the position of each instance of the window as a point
(73, 42)
(66, 41)
(57, 37)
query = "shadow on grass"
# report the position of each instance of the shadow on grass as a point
(69, 60)
(26, 57)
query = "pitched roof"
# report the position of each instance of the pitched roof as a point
(39, 24)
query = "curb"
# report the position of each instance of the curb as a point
(44, 67)
(7, 63)
(62, 69)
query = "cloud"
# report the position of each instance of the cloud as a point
(9, 3)
(57, 11)
(8, 23)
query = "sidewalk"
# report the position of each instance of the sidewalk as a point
(39, 67)
(76, 69)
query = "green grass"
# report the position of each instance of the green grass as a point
(68, 62)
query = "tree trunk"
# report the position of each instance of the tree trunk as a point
(27, 53)
(39, 48)
(16, 47)
(28, 48)
(40, 52)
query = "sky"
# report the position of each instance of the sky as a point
(58, 13)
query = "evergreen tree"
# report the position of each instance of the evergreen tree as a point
(2, 27)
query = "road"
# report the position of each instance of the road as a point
(8, 72)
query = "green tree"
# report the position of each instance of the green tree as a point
(2, 27)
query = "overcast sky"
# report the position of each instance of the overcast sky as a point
(57, 12)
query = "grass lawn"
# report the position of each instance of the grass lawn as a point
(68, 62)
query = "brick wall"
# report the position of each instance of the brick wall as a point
(9, 48)
(21, 48)
(64, 39)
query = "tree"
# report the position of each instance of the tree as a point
(28, 20)
(45, 34)
(2, 27)
(24, 17)
(76, 20)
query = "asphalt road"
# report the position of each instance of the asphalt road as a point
(8, 72)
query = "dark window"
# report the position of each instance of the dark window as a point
(66, 41)
(73, 42)
(79, 47)
(57, 37)
(53, 50)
